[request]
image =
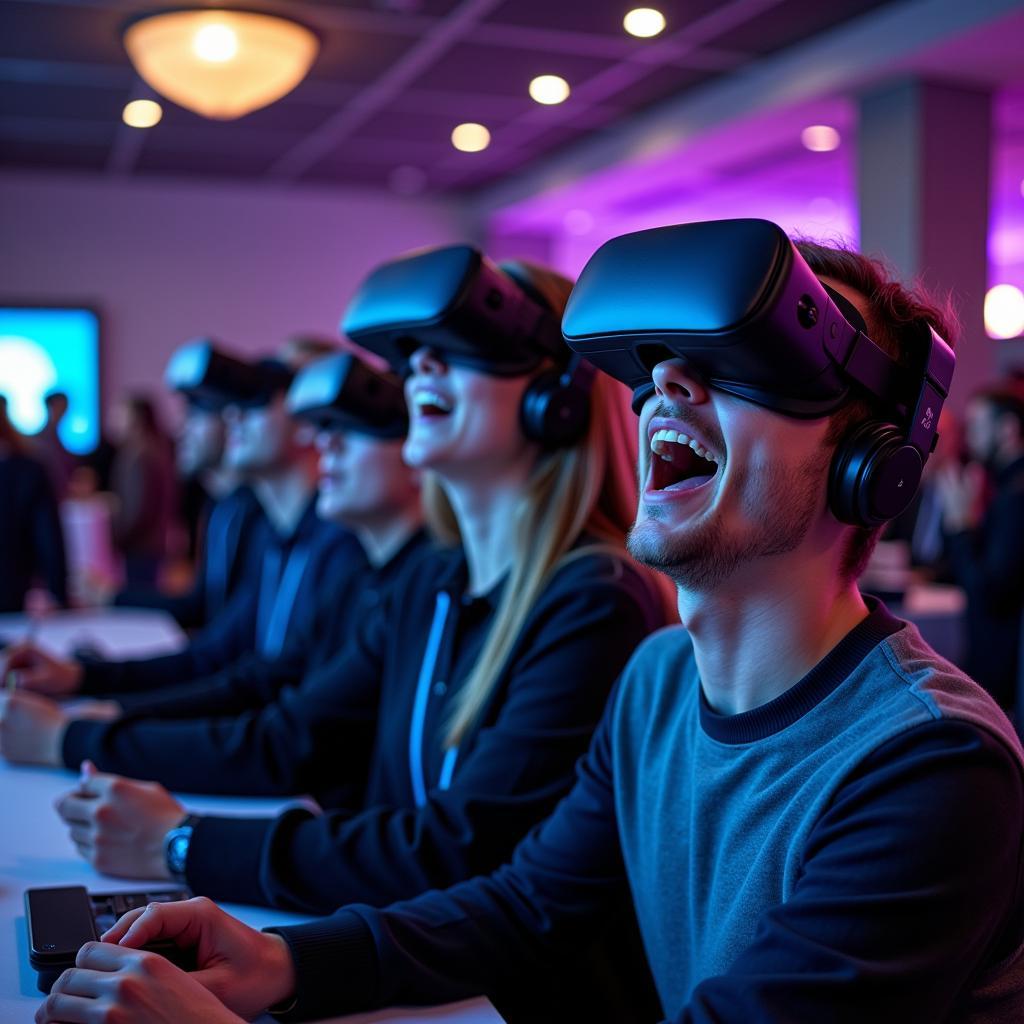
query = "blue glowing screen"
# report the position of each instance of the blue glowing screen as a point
(55, 349)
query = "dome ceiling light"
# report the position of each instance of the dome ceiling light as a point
(222, 64)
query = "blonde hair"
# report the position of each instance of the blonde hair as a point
(586, 487)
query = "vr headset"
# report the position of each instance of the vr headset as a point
(209, 378)
(340, 392)
(737, 300)
(456, 300)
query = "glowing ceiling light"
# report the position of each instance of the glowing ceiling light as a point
(1004, 311)
(470, 137)
(549, 89)
(215, 43)
(220, 63)
(820, 138)
(644, 22)
(142, 113)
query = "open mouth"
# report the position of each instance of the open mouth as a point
(429, 403)
(680, 463)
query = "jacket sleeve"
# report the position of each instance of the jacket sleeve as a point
(514, 772)
(188, 608)
(229, 636)
(250, 682)
(316, 731)
(928, 831)
(989, 564)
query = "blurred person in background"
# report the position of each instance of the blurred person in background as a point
(31, 542)
(49, 449)
(983, 516)
(228, 518)
(142, 480)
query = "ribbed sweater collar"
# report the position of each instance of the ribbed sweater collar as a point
(813, 688)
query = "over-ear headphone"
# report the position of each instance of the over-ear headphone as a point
(876, 469)
(555, 410)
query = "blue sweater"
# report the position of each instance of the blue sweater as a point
(849, 852)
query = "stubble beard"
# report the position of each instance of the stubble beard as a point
(779, 511)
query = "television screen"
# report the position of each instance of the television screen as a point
(49, 349)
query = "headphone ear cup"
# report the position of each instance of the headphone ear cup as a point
(874, 475)
(552, 413)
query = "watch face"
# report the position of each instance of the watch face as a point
(177, 851)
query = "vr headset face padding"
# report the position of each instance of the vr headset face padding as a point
(737, 301)
(342, 392)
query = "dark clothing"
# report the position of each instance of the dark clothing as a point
(251, 682)
(988, 563)
(850, 851)
(431, 815)
(143, 481)
(31, 541)
(231, 526)
(283, 581)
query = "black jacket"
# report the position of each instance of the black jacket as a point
(232, 524)
(430, 816)
(31, 541)
(277, 597)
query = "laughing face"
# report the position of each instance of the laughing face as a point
(463, 423)
(723, 482)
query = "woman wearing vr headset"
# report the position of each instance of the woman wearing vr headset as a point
(480, 678)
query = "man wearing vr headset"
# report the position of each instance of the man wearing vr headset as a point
(818, 819)
(232, 510)
(293, 558)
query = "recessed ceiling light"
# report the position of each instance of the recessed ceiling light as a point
(820, 138)
(644, 22)
(1004, 311)
(1022, 188)
(470, 137)
(142, 113)
(549, 89)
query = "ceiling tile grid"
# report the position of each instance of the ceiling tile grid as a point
(391, 81)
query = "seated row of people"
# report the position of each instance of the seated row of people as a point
(793, 794)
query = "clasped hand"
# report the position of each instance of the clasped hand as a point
(240, 971)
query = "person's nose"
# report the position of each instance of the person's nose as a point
(427, 361)
(677, 382)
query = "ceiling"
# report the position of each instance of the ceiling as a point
(392, 79)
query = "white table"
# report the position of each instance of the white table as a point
(35, 849)
(111, 632)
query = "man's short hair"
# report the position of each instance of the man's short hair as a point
(893, 315)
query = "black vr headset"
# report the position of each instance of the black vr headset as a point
(737, 300)
(453, 299)
(209, 378)
(342, 393)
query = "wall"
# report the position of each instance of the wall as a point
(167, 262)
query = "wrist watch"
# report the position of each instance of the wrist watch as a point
(176, 844)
